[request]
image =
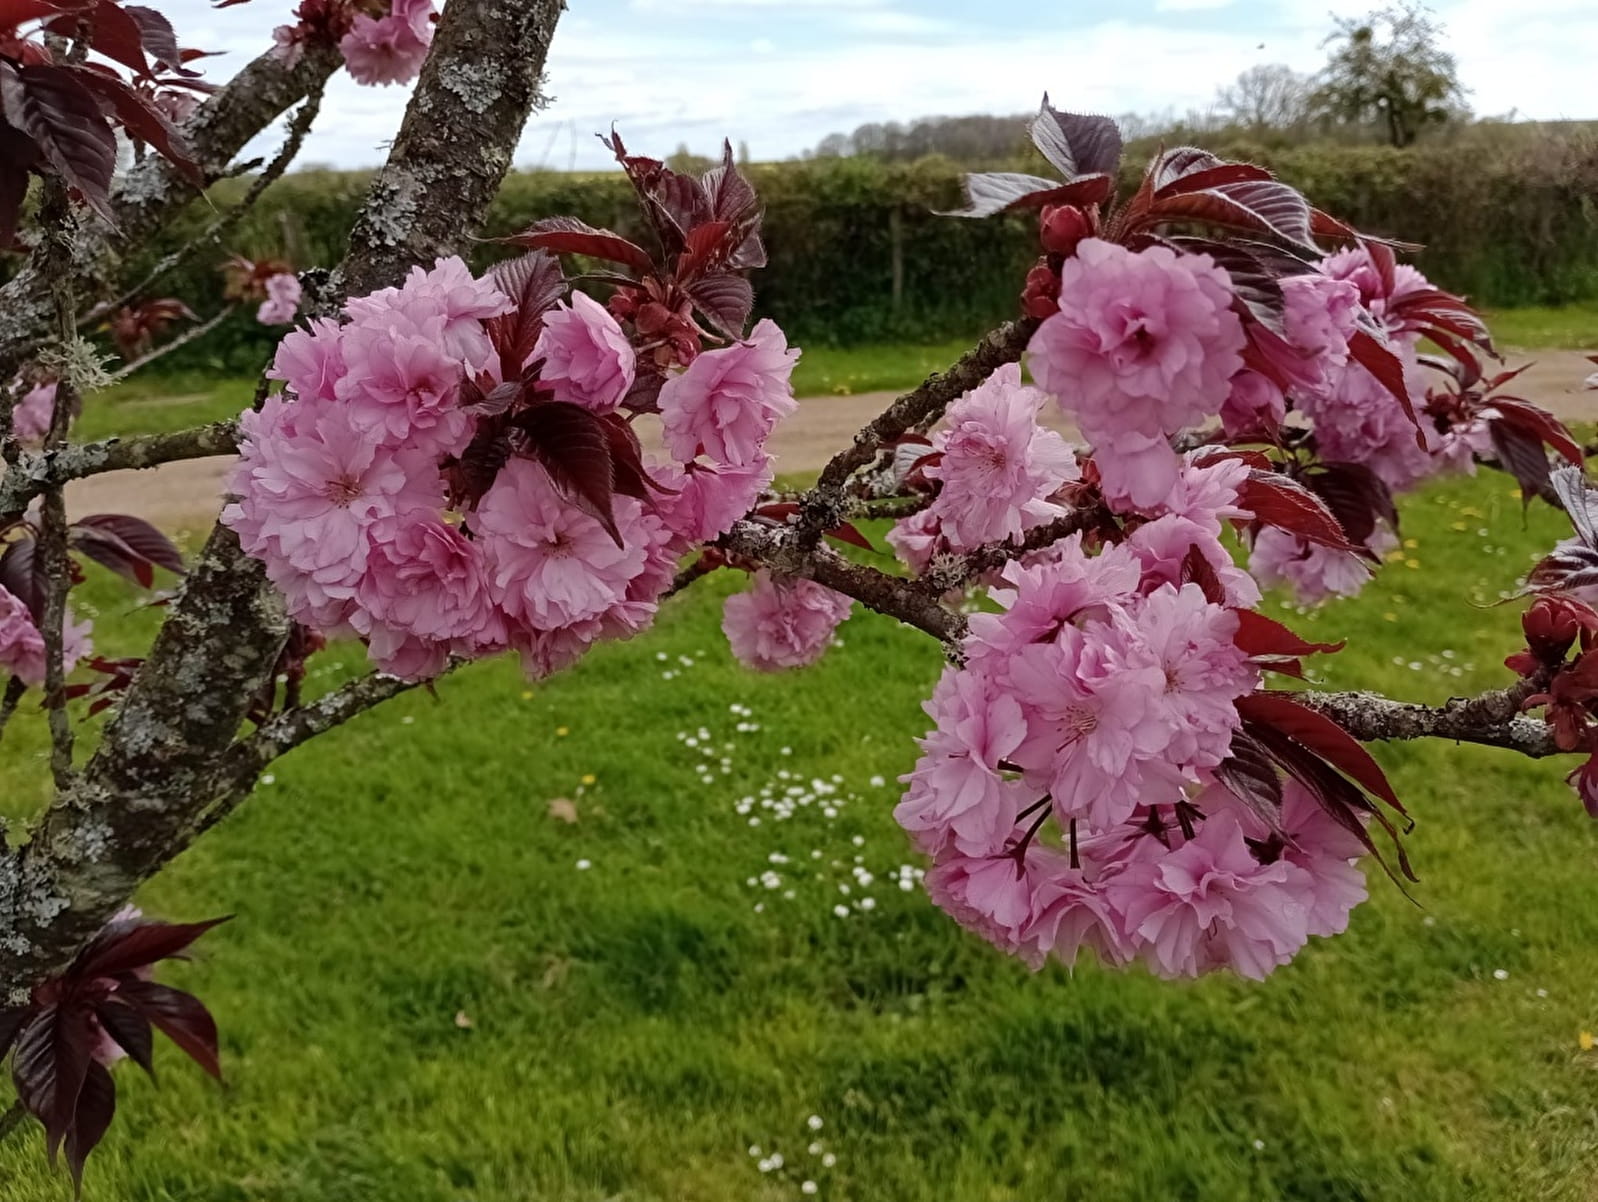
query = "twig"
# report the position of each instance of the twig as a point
(939, 580)
(890, 508)
(32, 474)
(824, 506)
(299, 127)
(166, 348)
(698, 570)
(1492, 719)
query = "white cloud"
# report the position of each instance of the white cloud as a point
(1187, 6)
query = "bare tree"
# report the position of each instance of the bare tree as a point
(1265, 98)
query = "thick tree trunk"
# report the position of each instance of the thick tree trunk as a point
(161, 763)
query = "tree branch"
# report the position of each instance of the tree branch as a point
(156, 771)
(825, 505)
(153, 192)
(166, 348)
(1492, 719)
(33, 473)
(781, 549)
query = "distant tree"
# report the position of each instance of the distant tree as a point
(686, 161)
(1388, 70)
(1271, 96)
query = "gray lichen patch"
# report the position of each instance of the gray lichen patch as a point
(477, 85)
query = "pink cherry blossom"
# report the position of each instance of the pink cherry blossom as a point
(709, 498)
(423, 596)
(550, 564)
(1255, 407)
(1208, 490)
(30, 419)
(1191, 641)
(998, 466)
(401, 385)
(1163, 545)
(309, 487)
(727, 401)
(1312, 571)
(1320, 315)
(1040, 598)
(781, 621)
(446, 300)
(1096, 733)
(311, 361)
(587, 359)
(282, 300)
(1144, 345)
(957, 794)
(1211, 904)
(1378, 295)
(288, 45)
(1357, 420)
(1328, 852)
(22, 643)
(384, 51)
(916, 539)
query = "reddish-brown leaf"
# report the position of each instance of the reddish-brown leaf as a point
(120, 949)
(1376, 357)
(569, 236)
(64, 121)
(96, 1107)
(144, 122)
(1322, 736)
(574, 447)
(179, 1016)
(1277, 501)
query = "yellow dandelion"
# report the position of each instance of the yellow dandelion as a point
(1390, 617)
(562, 731)
(1584, 1041)
(1411, 543)
(1412, 563)
(527, 694)
(1461, 527)
(589, 778)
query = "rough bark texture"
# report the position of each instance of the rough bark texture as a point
(153, 192)
(1492, 720)
(162, 762)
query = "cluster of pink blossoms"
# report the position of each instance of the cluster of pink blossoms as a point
(782, 622)
(1147, 344)
(22, 644)
(1103, 696)
(340, 492)
(377, 50)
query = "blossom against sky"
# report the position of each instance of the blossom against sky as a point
(782, 74)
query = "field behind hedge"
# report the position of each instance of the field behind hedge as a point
(858, 253)
(438, 990)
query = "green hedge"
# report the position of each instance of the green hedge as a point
(857, 254)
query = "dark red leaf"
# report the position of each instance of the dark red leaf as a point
(574, 447)
(138, 534)
(1540, 423)
(1210, 177)
(1273, 645)
(1579, 500)
(627, 460)
(16, 156)
(1250, 775)
(1357, 497)
(180, 1017)
(160, 39)
(64, 121)
(1075, 143)
(1277, 501)
(113, 33)
(725, 300)
(1376, 357)
(1196, 569)
(97, 1106)
(49, 1063)
(701, 245)
(15, 12)
(21, 574)
(130, 1029)
(1521, 454)
(569, 236)
(1322, 736)
(733, 200)
(1254, 206)
(123, 948)
(534, 281)
(144, 122)
(993, 192)
(845, 532)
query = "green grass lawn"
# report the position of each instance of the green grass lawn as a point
(435, 991)
(1572, 327)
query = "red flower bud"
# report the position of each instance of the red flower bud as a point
(1040, 297)
(1585, 781)
(1551, 626)
(1064, 226)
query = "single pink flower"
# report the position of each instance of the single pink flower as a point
(1144, 345)
(400, 385)
(30, 419)
(448, 301)
(916, 539)
(1042, 597)
(22, 643)
(587, 359)
(998, 467)
(1254, 407)
(709, 497)
(383, 51)
(726, 402)
(1311, 571)
(781, 621)
(958, 795)
(1211, 904)
(1163, 547)
(311, 361)
(288, 45)
(282, 301)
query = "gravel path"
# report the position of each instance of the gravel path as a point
(178, 496)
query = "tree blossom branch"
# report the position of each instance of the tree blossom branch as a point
(156, 771)
(781, 548)
(33, 473)
(153, 192)
(1491, 720)
(825, 504)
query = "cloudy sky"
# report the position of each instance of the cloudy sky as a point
(782, 74)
